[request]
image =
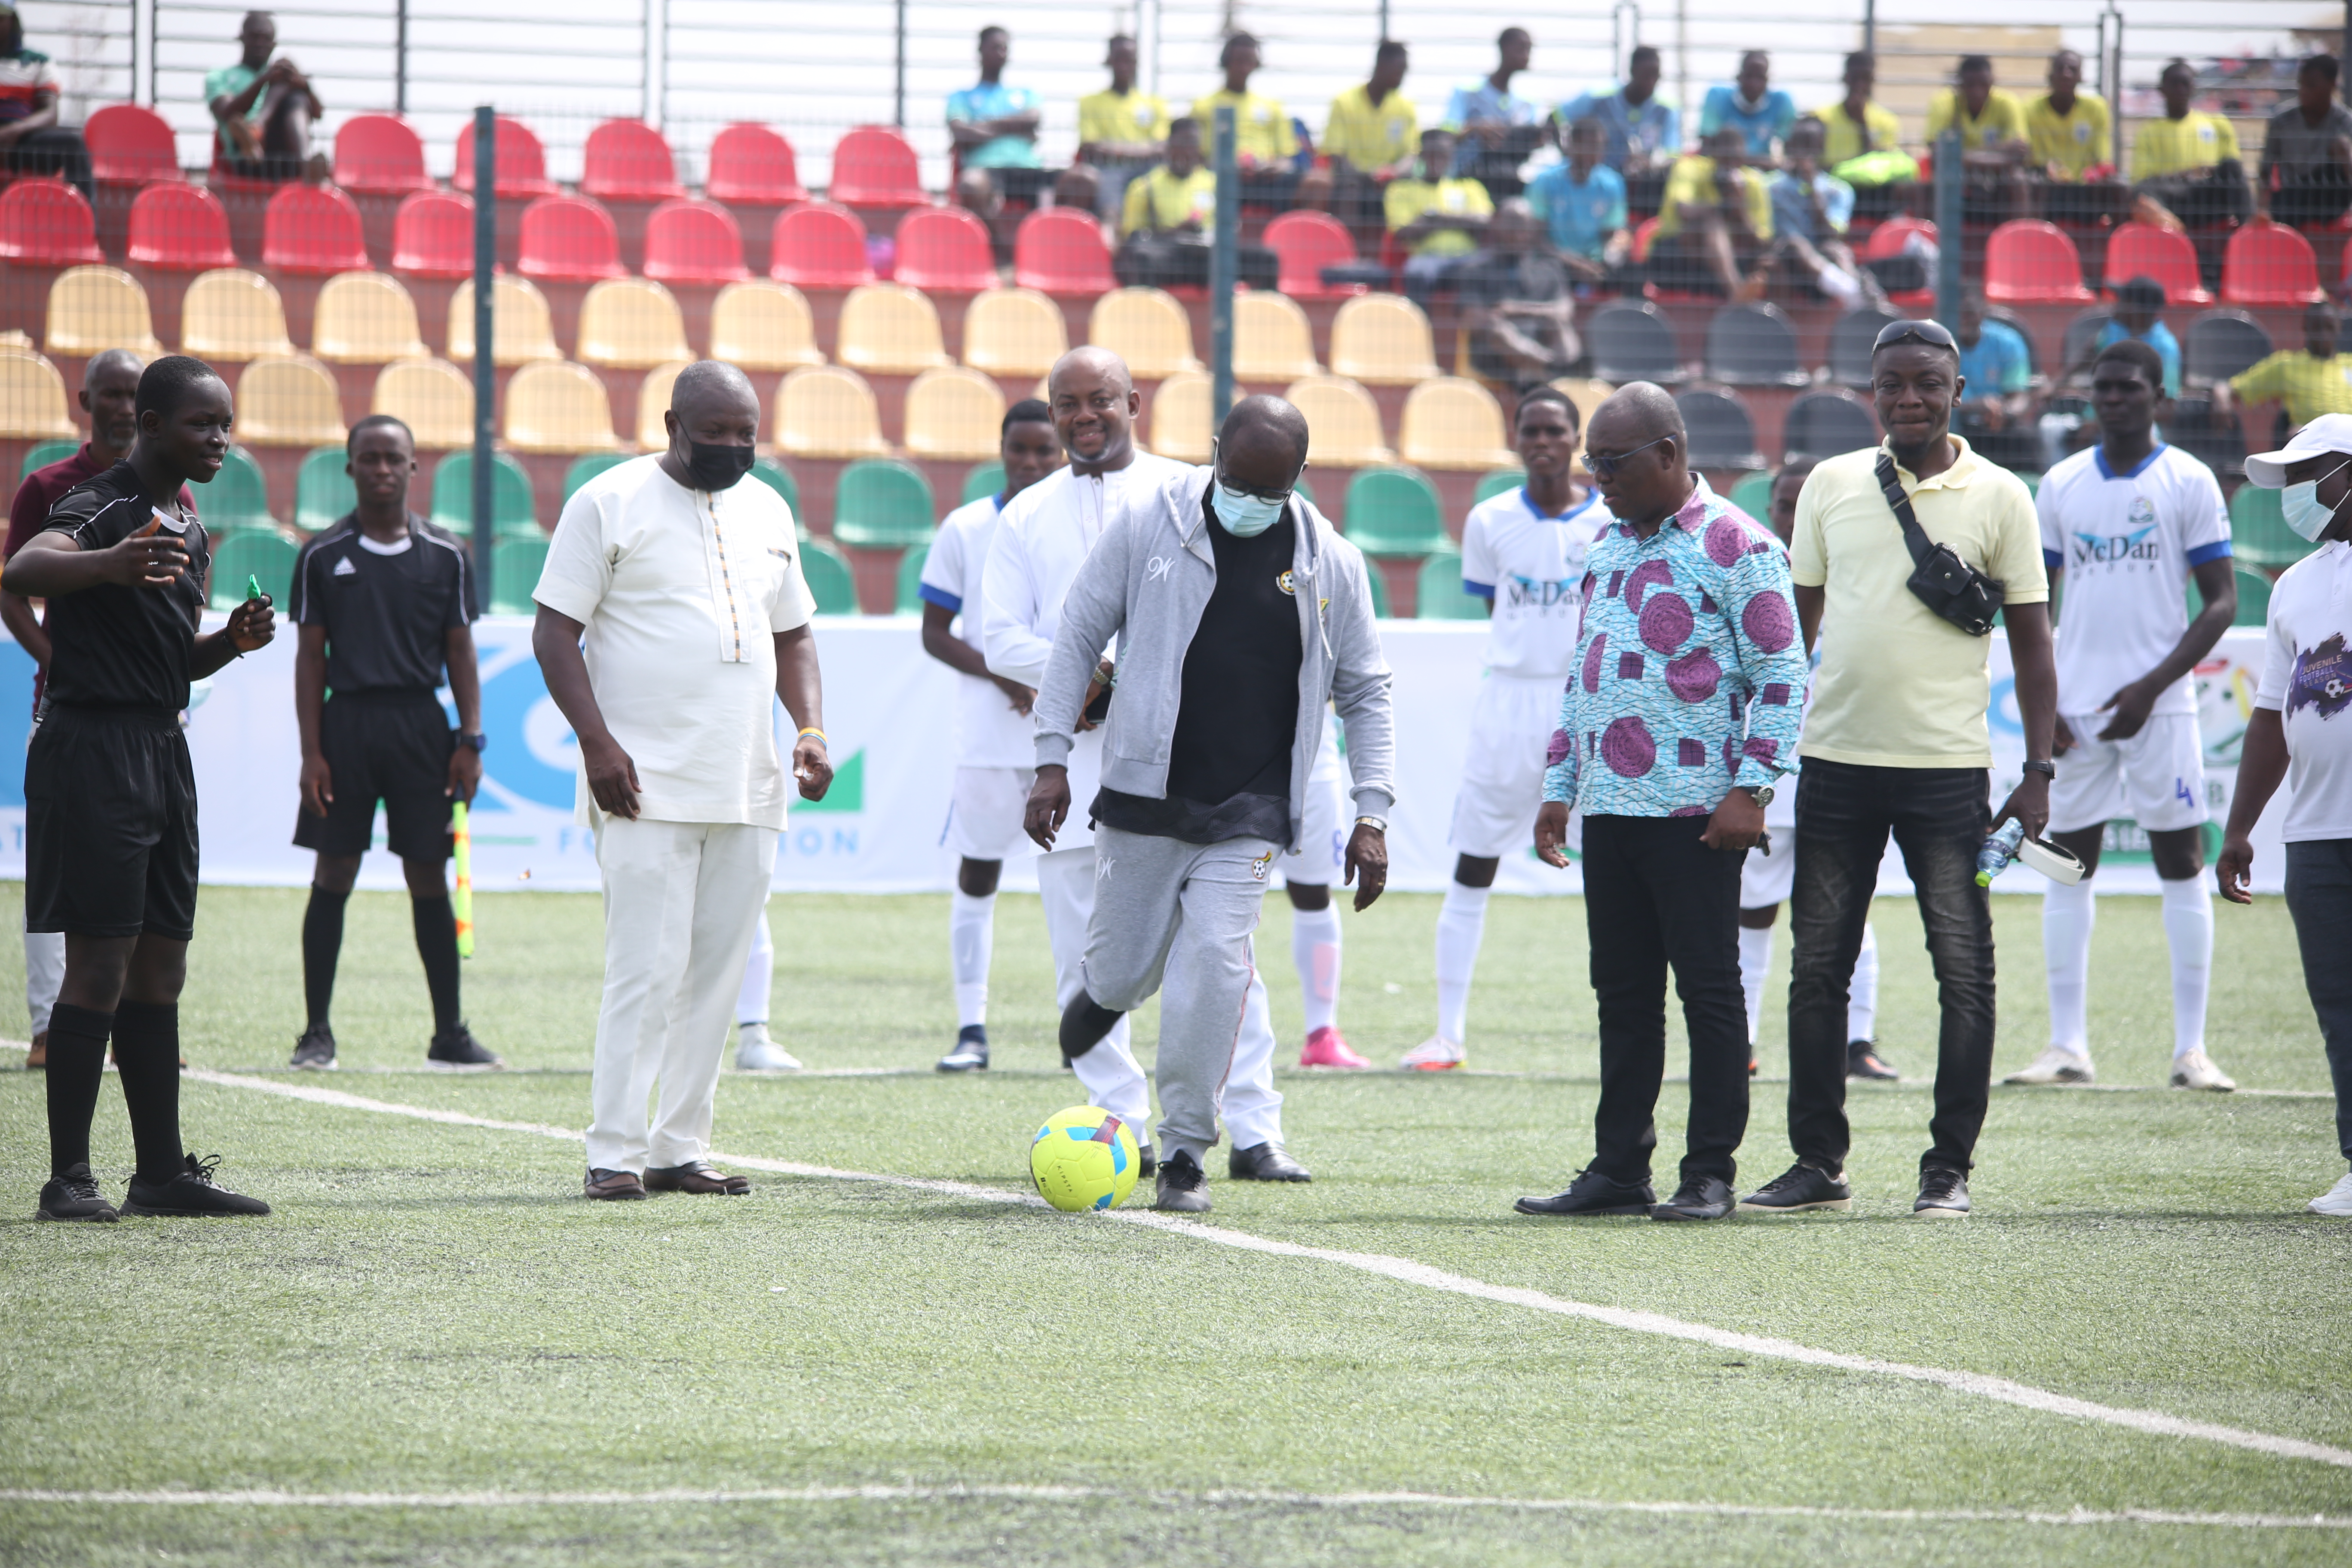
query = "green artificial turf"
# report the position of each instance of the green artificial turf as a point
(433, 1311)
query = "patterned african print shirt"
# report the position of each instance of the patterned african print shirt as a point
(1690, 677)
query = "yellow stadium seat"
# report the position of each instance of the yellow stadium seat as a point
(1180, 425)
(1014, 331)
(631, 323)
(1451, 423)
(1144, 327)
(1272, 340)
(1382, 340)
(522, 330)
(1587, 395)
(557, 407)
(288, 400)
(653, 401)
(365, 318)
(92, 308)
(954, 412)
(32, 399)
(231, 314)
(824, 411)
(432, 397)
(890, 329)
(763, 326)
(1343, 422)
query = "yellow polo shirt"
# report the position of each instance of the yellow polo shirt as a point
(1160, 199)
(2073, 142)
(1880, 131)
(1692, 181)
(1261, 126)
(2003, 120)
(1407, 199)
(1132, 117)
(1371, 135)
(2195, 141)
(1900, 687)
(2309, 387)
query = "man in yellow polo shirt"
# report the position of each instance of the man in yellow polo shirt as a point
(1993, 142)
(1713, 220)
(2188, 160)
(1372, 137)
(1856, 125)
(1122, 127)
(2073, 152)
(1897, 742)
(2311, 381)
(1179, 195)
(1264, 141)
(1435, 216)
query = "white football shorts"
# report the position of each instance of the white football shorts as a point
(984, 811)
(1511, 726)
(1328, 816)
(2157, 778)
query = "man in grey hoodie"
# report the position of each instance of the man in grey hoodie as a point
(1240, 612)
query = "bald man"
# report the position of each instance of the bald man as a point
(1239, 613)
(672, 614)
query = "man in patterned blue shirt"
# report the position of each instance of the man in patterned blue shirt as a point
(1680, 717)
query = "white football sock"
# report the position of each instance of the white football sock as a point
(1862, 991)
(1755, 965)
(1460, 922)
(971, 934)
(2067, 916)
(1315, 948)
(759, 975)
(2189, 929)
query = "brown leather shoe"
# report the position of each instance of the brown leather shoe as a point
(614, 1185)
(696, 1176)
(37, 1058)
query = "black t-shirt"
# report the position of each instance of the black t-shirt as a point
(115, 646)
(1229, 761)
(387, 614)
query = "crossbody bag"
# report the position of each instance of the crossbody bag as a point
(1940, 580)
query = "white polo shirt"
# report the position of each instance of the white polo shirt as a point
(682, 592)
(2308, 681)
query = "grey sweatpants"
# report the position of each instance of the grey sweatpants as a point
(1184, 912)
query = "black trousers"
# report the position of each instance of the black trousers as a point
(57, 150)
(1654, 897)
(1938, 817)
(2319, 896)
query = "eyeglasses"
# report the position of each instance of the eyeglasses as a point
(1217, 468)
(1606, 468)
(1932, 333)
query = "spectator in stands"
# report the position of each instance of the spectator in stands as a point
(1436, 218)
(1582, 205)
(976, 192)
(1750, 105)
(1642, 128)
(1372, 137)
(30, 137)
(1180, 196)
(2308, 152)
(1497, 129)
(1994, 140)
(1122, 129)
(1810, 210)
(1858, 127)
(2071, 145)
(1997, 374)
(1714, 222)
(1265, 143)
(2187, 161)
(2139, 313)
(2311, 381)
(263, 110)
(1519, 302)
(991, 125)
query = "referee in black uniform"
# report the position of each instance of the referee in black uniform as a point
(386, 603)
(109, 796)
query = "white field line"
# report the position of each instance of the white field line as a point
(1332, 1501)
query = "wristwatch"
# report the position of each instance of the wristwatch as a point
(477, 743)
(1379, 825)
(1763, 794)
(2047, 770)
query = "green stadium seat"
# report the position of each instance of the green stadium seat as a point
(2253, 598)
(511, 514)
(515, 566)
(2259, 535)
(910, 579)
(778, 478)
(830, 581)
(1307, 490)
(322, 491)
(236, 498)
(1380, 590)
(2033, 481)
(1442, 597)
(1394, 511)
(1753, 495)
(1501, 481)
(41, 454)
(253, 552)
(985, 480)
(883, 504)
(587, 467)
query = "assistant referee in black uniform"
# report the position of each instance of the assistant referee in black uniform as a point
(385, 603)
(110, 795)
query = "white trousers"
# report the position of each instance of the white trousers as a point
(758, 974)
(681, 900)
(45, 975)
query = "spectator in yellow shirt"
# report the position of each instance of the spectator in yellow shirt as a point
(1121, 129)
(1372, 138)
(1993, 142)
(1714, 222)
(1265, 143)
(1854, 125)
(2188, 160)
(2311, 383)
(1180, 195)
(1436, 217)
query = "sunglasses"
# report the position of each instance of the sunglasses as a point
(1605, 468)
(1932, 333)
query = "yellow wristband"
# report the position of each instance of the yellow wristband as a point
(812, 730)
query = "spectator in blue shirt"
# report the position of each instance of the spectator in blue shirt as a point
(1810, 209)
(1642, 128)
(1582, 205)
(1498, 128)
(994, 126)
(1997, 376)
(2139, 313)
(1751, 105)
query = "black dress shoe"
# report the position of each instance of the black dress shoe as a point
(1943, 1193)
(1267, 1163)
(696, 1176)
(1862, 1060)
(1183, 1186)
(1700, 1197)
(1592, 1193)
(1146, 1162)
(1800, 1189)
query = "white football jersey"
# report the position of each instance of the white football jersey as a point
(989, 732)
(1532, 567)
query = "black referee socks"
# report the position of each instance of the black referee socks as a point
(147, 1050)
(322, 944)
(436, 945)
(77, 1067)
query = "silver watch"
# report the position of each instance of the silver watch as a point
(1379, 825)
(1763, 794)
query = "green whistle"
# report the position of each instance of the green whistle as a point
(253, 588)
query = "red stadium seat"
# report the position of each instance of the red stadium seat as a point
(180, 227)
(694, 242)
(628, 161)
(1887, 240)
(2143, 251)
(433, 237)
(379, 155)
(47, 222)
(2270, 263)
(313, 229)
(946, 250)
(522, 161)
(819, 247)
(1305, 243)
(568, 239)
(752, 164)
(130, 146)
(2029, 262)
(875, 166)
(1061, 251)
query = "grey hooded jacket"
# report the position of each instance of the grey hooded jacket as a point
(1147, 581)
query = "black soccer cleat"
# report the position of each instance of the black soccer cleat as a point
(970, 1053)
(1592, 1193)
(73, 1197)
(1862, 1060)
(459, 1049)
(316, 1050)
(191, 1193)
(1798, 1190)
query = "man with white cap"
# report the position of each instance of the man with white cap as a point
(2301, 733)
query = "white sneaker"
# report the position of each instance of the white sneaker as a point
(2195, 1069)
(2056, 1065)
(2335, 1202)
(1435, 1054)
(754, 1052)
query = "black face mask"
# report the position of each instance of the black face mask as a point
(718, 465)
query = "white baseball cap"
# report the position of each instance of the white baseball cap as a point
(2328, 433)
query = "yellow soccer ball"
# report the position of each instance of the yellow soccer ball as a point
(1084, 1159)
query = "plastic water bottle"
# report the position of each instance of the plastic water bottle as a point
(1999, 851)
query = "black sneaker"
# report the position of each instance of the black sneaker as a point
(190, 1193)
(1862, 1060)
(1799, 1189)
(74, 1196)
(1943, 1193)
(1594, 1194)
(459, 1049)
(1700, 1197)
(315, 1049)
(971, 1051)
(1183, 1185)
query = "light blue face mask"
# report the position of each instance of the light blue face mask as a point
(1247, 516)
(2299, 503)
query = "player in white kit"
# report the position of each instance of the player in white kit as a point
(1307, 874)
(1523, 552)
(2125, 525)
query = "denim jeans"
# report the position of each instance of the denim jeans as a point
(1938, 818)
(2319, 896)
(1654, 896)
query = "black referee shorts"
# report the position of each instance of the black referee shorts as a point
(392, 747)
(110, 825)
